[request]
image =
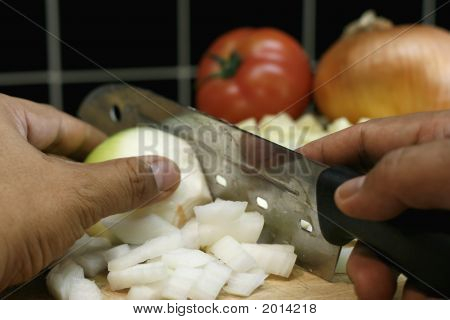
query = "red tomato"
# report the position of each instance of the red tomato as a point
(252, 72)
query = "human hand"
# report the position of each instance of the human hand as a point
(48, 201)
(406, 159)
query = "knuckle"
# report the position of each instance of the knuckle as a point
(137, 185)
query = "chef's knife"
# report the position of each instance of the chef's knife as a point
(294, 194)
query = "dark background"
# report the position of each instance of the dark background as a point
(156, 44)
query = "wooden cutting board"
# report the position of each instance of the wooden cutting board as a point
(301, 285)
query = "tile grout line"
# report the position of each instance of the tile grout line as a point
(309, 28)
(184, 73)
(54, 74)
(427, 7)
(16, 78)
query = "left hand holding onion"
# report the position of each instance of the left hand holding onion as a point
(48, 201)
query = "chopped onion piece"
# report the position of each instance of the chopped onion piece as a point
(116, 252)
(89, 244)
(190, 236)
(246, 229)
(92, 263)
(219, 212)
(271, 259)
(244, 283)
(149, 250)
(185, 258)
(230, 251)
(140, 274)
(60, 278)
(138, 227)
(208, 286)
(181, 282)
(84, 289)
(341, 265)
(338, 125)
(152, 291)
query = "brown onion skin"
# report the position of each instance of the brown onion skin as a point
(410, 72)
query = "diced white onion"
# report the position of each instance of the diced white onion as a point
(341, 265)
(92, 263)
(84, 289)
(190, 235)
(219, 212)
(88, 244)
(338, 125)
(180, 283)
(208, 286)
(116, 252)
(137, 228)
(152, 291)
(140, 274)
(271, 259)
(183, 257)
(149, 250)
(60, 278)
(243, 284)
(246, 229)
(230, 251)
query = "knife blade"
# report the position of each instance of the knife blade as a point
(294, 194)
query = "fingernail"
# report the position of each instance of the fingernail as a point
(350, 188)
(166, 173)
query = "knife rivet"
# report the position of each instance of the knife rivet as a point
(305, 225)
(115, 114)
(221, 180)
(262, 203)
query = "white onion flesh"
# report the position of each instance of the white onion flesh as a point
(92, 263)
(243, 284)
(149, 250)
(245, 229)
(152, 291)
(137, 228)
(190, 234)
(140, 274)
(338, 125)
(193, 189)
(208, 286)
(271, 260)
(183, 257)
(116, 252)
(220, 212)
(230, 251)
(61, 277)
(341, 265)
(84, 289)
(180, 283)
(89, 244)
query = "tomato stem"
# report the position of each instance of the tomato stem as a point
(228, 67)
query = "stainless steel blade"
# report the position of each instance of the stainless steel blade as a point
(238, 165)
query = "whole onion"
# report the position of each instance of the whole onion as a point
(376, 69)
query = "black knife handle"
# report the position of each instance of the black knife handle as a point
(417, 242)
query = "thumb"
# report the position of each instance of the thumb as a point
(121, 185)
(411, 177)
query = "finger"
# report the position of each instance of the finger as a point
(53, 131)
(412, 293)
(365, 143)
(410, 177)
(121, 185)
(372, 278)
